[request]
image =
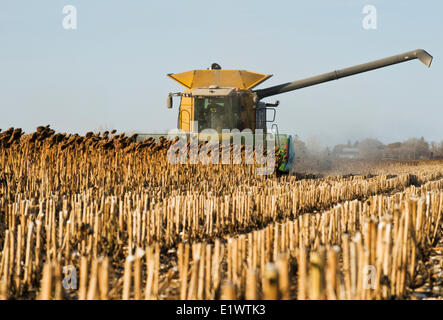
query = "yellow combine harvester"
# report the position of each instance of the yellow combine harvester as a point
(226, 99)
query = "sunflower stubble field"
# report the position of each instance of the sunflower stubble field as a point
(134, 226)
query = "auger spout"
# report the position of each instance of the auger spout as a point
(420, 54)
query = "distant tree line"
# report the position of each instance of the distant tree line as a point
(413, 148)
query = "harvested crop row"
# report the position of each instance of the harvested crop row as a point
(359, 250)
(115, 211)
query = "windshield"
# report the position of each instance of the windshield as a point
(214, 112)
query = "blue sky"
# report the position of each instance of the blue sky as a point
(111, 71)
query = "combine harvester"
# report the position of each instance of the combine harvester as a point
(224, 99)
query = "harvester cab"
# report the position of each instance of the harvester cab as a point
(224, 99)
(218, 99)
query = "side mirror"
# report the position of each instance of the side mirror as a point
(169, 101)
